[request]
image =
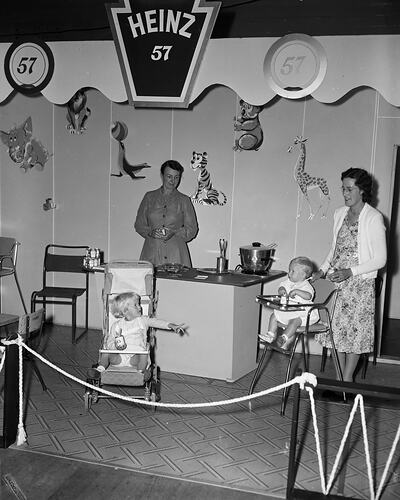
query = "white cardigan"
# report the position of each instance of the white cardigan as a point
(371, 241)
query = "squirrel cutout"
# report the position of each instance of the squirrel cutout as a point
(248, 123)
(77, 113)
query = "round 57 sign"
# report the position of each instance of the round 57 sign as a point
(295, 66)
(29, 66)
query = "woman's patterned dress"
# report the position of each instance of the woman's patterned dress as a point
(353, 319)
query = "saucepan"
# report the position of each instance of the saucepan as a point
(256, 258)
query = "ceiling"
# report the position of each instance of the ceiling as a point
(53, 20)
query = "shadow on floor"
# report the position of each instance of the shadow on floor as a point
(28, 475)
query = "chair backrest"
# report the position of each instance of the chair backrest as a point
(64, 259)
(8, 252)
(325, 293)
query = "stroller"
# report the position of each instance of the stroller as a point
(119, 277)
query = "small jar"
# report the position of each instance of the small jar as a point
(120, 342)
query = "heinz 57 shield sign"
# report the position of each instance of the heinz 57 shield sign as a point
(160, 44)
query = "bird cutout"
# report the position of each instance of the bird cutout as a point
(119, 132)
(306, 181)
(77, 113)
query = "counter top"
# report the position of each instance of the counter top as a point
(230, 278)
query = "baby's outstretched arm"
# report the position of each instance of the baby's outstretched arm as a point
(179, 329)
(301, 293)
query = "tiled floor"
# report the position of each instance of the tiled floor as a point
(231, 446)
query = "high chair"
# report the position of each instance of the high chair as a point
(325, 299)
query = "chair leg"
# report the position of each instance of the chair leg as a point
(375, 350)
(323, 359)
(259, 369)
(38, 374)
(20, 291)
(74, 322)
(287, 376)
(365, 360)
(87, 312)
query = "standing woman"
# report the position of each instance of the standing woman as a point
(166, 219)
(358, 251)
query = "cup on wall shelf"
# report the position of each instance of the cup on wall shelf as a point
(222, 265)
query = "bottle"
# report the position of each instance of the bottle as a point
(120, 342)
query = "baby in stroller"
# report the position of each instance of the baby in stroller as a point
(129, 333)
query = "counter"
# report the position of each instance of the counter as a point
(223, 322)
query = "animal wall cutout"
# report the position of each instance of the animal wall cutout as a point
(248, 122)
(26, 151)
(77, 113)
(119, 132)
(205, 193)
(307, 181)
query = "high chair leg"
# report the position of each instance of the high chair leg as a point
(259, 369)
(287, 376)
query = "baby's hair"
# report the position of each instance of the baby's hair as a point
(119, 305)
(306, 263)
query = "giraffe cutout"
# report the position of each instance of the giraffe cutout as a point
(307, 181)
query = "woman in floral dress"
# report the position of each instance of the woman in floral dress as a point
(358, 251)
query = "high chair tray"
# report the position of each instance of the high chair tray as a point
(274, 302)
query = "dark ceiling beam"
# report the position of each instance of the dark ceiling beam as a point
(54, 20)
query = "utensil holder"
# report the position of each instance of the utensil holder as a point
(222, 265)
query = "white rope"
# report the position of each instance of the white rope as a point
(316, 437)
(3, 357)
(302, 380)
(358, 402)
(21, 434)
(389, 461)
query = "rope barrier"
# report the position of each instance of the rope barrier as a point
(306, 381)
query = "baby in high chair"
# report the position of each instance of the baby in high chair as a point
(129, 333)
(296, 289)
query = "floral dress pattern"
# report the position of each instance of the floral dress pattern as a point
(353, 318)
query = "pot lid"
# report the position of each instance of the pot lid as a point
(255, 246)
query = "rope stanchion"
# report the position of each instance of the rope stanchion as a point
(21, 434)
(307, 381)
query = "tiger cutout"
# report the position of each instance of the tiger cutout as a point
(205, 194)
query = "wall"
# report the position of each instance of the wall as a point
(97, 209)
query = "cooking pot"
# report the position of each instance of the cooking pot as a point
(256, 258)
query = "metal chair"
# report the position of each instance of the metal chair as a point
(325, 299)
(8, 262)
(66, 259)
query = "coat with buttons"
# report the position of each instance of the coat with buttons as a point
(174, 211)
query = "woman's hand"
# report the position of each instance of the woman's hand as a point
(340, 275)
(162, 233)
(168, 233)
(317, 275)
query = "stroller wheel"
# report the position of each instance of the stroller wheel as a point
(88, 400)
(156, 391)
